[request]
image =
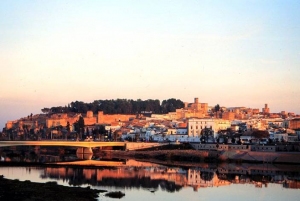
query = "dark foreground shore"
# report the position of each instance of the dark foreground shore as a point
(30, 191)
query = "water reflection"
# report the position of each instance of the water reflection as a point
(150, 176)
(36, 154)
(122, 177)
(174, 178)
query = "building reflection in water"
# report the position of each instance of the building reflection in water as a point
(135, 174)
(132, 175)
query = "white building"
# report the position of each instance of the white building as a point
(172, 135)
(278, 136)
(195, 125)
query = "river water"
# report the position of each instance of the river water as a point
(144, 181)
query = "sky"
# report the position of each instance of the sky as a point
(227, 52)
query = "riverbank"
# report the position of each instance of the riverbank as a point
(194, 156)
(26, 190)
(260, 157)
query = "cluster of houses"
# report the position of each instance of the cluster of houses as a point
(196, 122)
(205, 130)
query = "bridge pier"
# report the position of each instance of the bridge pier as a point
(85, 153)
(84, 150)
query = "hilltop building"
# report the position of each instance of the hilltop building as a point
(34, 121)
(194, 109)
(61, 119)
(196, 106)
(266, 110)
(109, 118)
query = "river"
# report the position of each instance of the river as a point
(147, 181)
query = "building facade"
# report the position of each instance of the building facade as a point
(196, 125)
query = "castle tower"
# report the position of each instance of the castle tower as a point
(266, 110)
(197, 106)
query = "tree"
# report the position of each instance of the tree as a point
(80, 126)
(110, 135)
(76, 126)
(87, 131)
(206, 176)
(222, 111)
(120, 106)
(102, 129)
(205, 133)
(171, 105)
(68, 127)
(233, 140)
(212, 111)
(217, 109)
(259, 134)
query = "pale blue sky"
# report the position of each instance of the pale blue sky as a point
(232, 53)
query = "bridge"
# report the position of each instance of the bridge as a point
(88, 144)
(83, 144)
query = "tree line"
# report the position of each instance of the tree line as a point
(120, 106)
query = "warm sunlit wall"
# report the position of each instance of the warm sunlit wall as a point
(109, 118)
